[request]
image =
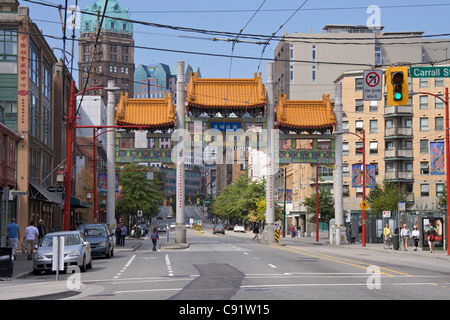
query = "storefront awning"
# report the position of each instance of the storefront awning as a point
(77, 203)
(40, 193)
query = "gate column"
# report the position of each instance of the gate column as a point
(270, 206)
(180, 230)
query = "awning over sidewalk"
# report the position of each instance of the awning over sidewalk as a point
(77, 203)
(38, 192)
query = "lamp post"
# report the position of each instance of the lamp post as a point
(363, 138)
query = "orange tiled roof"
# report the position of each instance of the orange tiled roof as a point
(305, 114)
(146, 112)
(226, 93)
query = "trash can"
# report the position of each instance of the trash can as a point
(396, 241)
(6, 262)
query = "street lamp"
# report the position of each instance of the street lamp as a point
(363, 138)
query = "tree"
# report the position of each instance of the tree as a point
(138, 193)
(326, 205)
(385, 197)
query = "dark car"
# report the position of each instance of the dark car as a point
(101, 240)
(218, 228)
(162, 227)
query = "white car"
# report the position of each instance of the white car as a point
(173, 225)
(239, 229)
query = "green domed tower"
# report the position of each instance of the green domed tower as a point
(114, 57)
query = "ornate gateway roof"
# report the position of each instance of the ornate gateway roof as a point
(210, 95)
(305, 115)
(148, 114)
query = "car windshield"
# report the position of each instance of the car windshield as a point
(95, 232)
(69, 240)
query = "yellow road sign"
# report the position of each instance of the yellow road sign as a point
(364, 205)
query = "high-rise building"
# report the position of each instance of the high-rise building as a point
(114, 57)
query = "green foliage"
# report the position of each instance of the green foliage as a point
(385, 197)
(326, 205)
(138, 193)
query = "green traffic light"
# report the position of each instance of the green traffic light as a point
(398, 96)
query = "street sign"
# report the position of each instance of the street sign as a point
(429, 72)
(364, 205)
(386, 214)
(19, 193)
(372, 85)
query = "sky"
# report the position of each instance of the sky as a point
(262, 17)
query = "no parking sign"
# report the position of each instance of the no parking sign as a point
(372, 85)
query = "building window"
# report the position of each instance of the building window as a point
(373, 146)
(35, 116)
(345, 149)
(423, 82)
(439, 123)
(438, 104)
(423, 124)
(438, 82)
(345, 170)
(424, 190)
(359, 125)
(34, 64)
(423, 102)
(314, 53)
(359, 105)
(345, 126)
(424, 146)
(377, 55)
(47, 80)
(373, 106)
(373, 126)
(359, 147)
(424, 168)
(439, 189)
(314, 74)
(359, 84)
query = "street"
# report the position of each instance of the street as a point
(233, 267)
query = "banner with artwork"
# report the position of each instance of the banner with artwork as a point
(357, 178)
(437, 158)
(102, 183)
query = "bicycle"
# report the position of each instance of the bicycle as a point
(388, 243)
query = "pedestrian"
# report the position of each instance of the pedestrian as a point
(154, 236)
(123, 233)
(13, 231)
(405, 234)
(31, 233)
(387, 232)
(415, 235)
(256, 232)
(350, 235)
(41, 229)
(299, 231)
(118, 234)
(292, 229)
(360, 232)
(431, 236)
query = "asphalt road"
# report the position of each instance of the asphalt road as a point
(233, 267)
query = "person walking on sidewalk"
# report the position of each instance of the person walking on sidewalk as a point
(405, 234)
(387, 232)
(13, 236)
(154, 236)
(31, 234)
(123, 234)
(292, 229)
(416, 236)
(431, 235)
(41, 229)
(256, 232)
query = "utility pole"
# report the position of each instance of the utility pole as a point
(111, 156)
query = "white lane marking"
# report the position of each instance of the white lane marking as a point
(169, 267)
(125, 267)
(271, 265)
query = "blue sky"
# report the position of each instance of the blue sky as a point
(232, 15)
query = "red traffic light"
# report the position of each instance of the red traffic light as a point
(397, 77)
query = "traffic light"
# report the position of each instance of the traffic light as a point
(397, 86)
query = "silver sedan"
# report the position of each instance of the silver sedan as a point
(77, 252)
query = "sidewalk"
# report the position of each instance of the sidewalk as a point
(21, 286)
(323, 240)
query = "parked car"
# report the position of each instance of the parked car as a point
(162, 227)
(173, 225)
(159, 217)
(77, 252)
(228, 227)
(169, 216)
(101, 240)
(239, 229)
(218, 228)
